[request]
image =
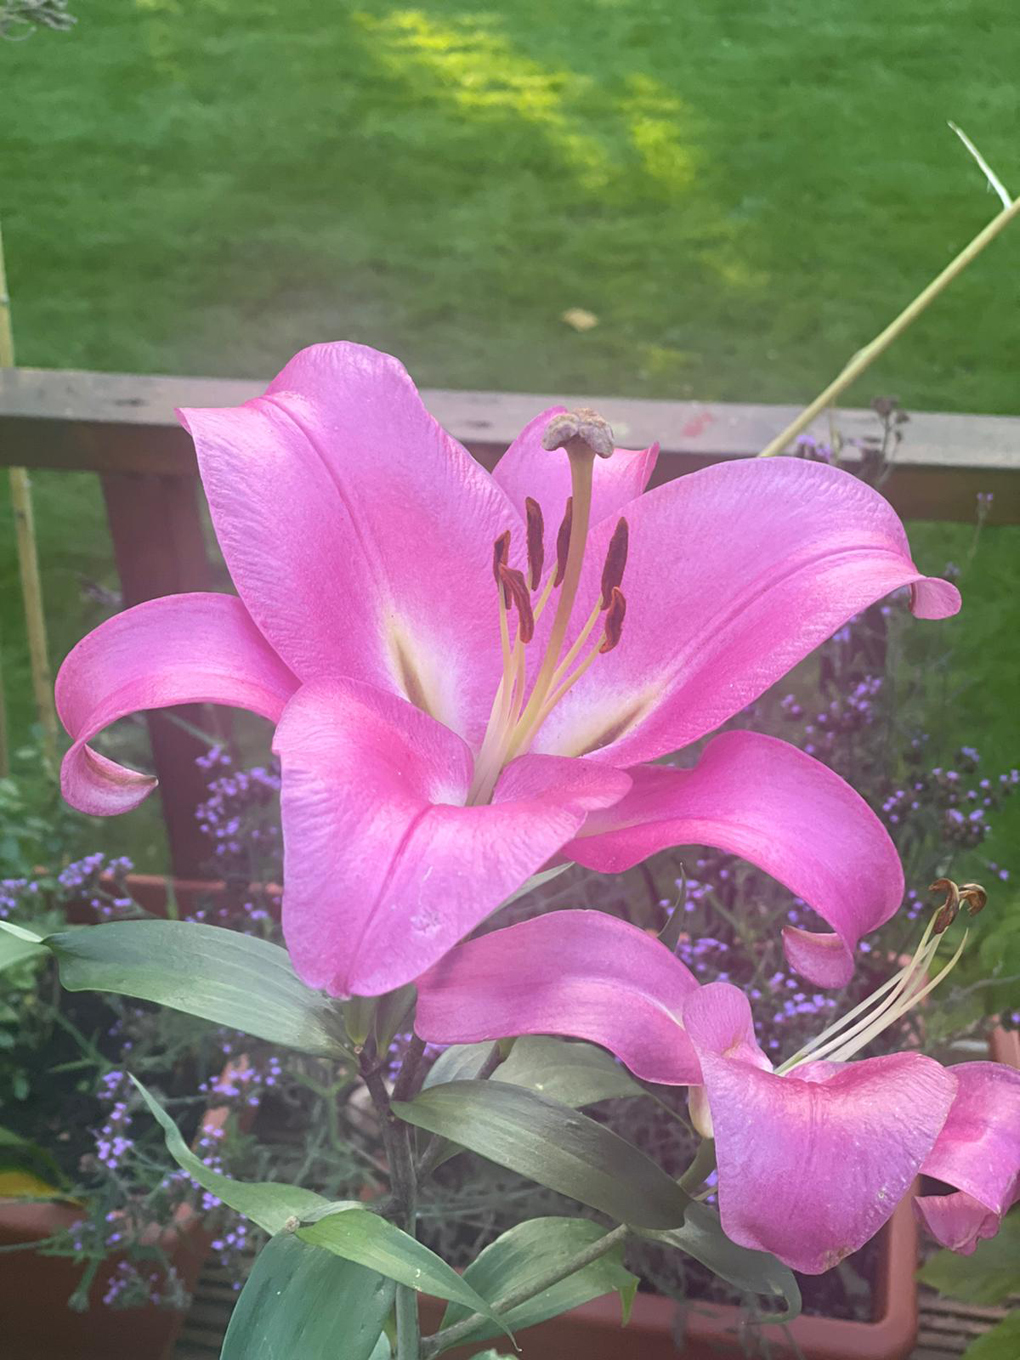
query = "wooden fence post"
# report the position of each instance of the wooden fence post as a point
(159, 547)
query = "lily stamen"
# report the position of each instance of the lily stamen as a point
(900, 994)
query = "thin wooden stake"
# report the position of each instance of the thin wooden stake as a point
(866, 356)
(28, 565)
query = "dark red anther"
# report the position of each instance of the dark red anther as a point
(616, 560)
(536, 541)
(614, 619)
(500, 553)
(516, 587)
(563, 541)
(947, 913)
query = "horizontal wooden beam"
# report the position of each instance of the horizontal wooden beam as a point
(115, 423)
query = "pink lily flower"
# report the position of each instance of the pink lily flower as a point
(470, 673)
(978, 1152)
(814, 1156)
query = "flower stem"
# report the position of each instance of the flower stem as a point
(449, 1336)
(866, 356)
(404, 1183)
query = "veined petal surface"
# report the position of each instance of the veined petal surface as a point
(811, 1164)
(358, 532)
(581, 974)
(385, 868)
(977, 1152)
(180, 649)
(761, 798)
(735, 573)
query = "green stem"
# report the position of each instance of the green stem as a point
(449, 1336)
(701, 1168)
(865, 357)
(403, 1181)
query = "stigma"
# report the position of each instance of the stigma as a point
(518, 711)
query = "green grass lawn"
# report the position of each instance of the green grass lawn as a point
(743, 193)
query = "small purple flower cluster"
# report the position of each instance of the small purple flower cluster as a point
(84, 879)
(13, 892)
(129, 1287)
(243, 1084)
(244, 839)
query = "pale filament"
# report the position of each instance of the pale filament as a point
(901, 993)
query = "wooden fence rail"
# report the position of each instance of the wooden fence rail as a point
(122, 427)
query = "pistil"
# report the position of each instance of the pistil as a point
(583, 435)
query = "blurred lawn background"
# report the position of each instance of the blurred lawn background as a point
(743, 193)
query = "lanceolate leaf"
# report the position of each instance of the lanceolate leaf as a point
(300, 1301)
(220, 975)
(702, 1237)
(270, 1204)
(18, 945)
(553, 1145)
(343, 1228)
(575, 1074)
(359, 1235)
(529, 1251)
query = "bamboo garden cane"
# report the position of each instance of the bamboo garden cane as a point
(28, 566)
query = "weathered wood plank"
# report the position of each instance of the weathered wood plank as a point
(110, 422)
(158, 544)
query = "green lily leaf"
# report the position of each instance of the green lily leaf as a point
(988, 1276)
(702, 1237)
(270, 1204)
(18, 944)
(359, 1235)
(1001, 1343)
(529, 1251)
(553, 1145)
(575, 1074)
(217, 974)
(299, 1301)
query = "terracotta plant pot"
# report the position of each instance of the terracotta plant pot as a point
(37, 1324)
(35, 1321)
(715, 1331)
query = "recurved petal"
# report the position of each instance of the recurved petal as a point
(734, 574)
(581, 974)
(385, 869)
(813, 1163)
(761, 798)
(527, 469)
(181, 649)
(358, 532)
(977, 1152)
(959, 1221)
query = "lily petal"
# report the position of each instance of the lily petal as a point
(581, 974)
(958, 1221)
(735, 573)
(181, 649)
(978, 1152)
(527, 469)
(381, 857)
(761, 798)
(813, 1163)
(358, 532)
